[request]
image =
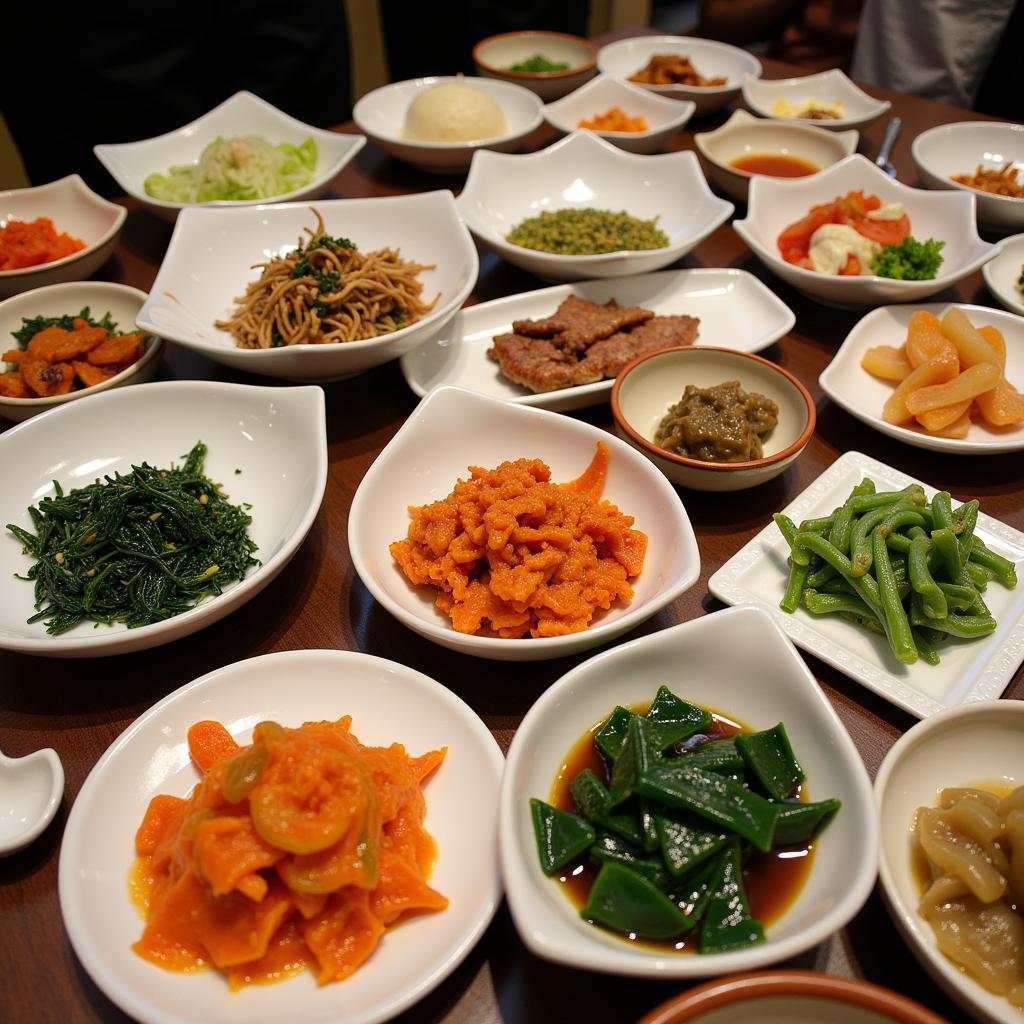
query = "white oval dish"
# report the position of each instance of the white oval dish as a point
(734, 308)
(130, 163)
(121, 301)
(209, 262)
(744, 135)
(75, 210)
(32, 787)
(583, 171)
(862, 394)
(1004, 270)
(947, 216)
(494, 55)
(276, 436)
(711, 59)
(381, 115)
(717, 661)
(964, 746)
(665, 117)
(453, 429)
(388, 703)
(959, 148)
(831, 86)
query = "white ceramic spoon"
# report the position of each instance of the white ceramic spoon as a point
(31, 788)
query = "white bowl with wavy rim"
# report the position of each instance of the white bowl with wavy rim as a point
(734, 308)
(776, 203)
(494, 56)
(744, 135)
(1004, 270)
(121, 301)
(859, 109)
(381, 115)
(75, 210)
(389, 703)
(710, 58)
(268, 446)
(453, 429)
(959, 148)
(209, 262)
(130, 163)
(583, 171)
(716, 661)
(862, 394)
(664, 117)
(964, 746)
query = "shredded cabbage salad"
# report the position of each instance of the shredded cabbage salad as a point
(245, 167)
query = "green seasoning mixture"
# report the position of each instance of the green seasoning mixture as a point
(537, 63)
(135, 548)
(587, 232)
(910, 260)
(897, 565)
(673, 822)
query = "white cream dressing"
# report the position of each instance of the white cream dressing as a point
(832, 244)
(889, 211)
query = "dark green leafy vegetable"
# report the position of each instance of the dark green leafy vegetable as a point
(624, 901)
(639, 753)
(677, 719)
(614, 849)
(718, 756)
(798, 822)
(538, 64)
(686, 840)
(561, 837)
(136, 547)
(727, 923)
(910, 260)
(770, 758)
(612, 734)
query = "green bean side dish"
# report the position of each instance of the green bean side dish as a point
(897, 565)
(136, 548)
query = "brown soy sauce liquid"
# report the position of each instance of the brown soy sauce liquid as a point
(773, 880)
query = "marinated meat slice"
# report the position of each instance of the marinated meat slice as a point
(610, 355)
(540, 365)
(577, 323)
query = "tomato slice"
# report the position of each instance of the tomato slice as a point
(796, 239)
(851, 267)
(884, 232)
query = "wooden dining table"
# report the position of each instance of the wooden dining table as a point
(79, 707)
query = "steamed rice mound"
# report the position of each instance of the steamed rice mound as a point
(514, 554)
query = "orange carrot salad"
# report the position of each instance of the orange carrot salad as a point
(614, 119)
(28, 243)
(296, 851)
(527, 556)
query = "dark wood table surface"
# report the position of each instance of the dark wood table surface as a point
(79, 707)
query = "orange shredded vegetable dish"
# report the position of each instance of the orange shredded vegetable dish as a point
(614, 119)
(28, 243)
(511, 549)
(296, 851)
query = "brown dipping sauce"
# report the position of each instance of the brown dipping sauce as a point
(772, 880)
(776, 165)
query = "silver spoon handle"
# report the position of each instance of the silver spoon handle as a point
(892, 131)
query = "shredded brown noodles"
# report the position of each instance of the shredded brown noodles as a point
(326, 291)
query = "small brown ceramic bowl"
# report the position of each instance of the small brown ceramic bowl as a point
(648, 386)
(495, 55)
(796, 997)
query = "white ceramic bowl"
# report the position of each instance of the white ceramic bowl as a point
(716, 661)
(452, 429)
(32, 787)
(381, 115)
(75, 209)
(276, 437)
(744, 136)
(964, 746)
(959, 148)
(859, 109)
(948, 216)
(494, 55)
(711, 59)
(862, 394)
(664, 117)
(582, 171)
(646, 389)
(1004, 270)
(209, 263)
(388, 703)
(130, 163)
(121, 301)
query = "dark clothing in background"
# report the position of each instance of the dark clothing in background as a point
(438, 39)
(117, 72)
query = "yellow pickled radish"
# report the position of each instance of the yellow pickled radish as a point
(971, 347)
(935, 371)
(974, 381)
(926, 339)
(939, 419)
(886, 362)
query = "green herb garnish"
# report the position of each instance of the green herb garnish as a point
(135, 548)
(538, 63)
(911, 260)
(32, 325)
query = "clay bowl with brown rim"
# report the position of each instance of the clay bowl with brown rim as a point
(796, 997)
(495, 55)
(646, 389)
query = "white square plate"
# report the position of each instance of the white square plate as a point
(969, 671)
(734, 308)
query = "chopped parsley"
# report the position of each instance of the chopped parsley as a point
(911, 260)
